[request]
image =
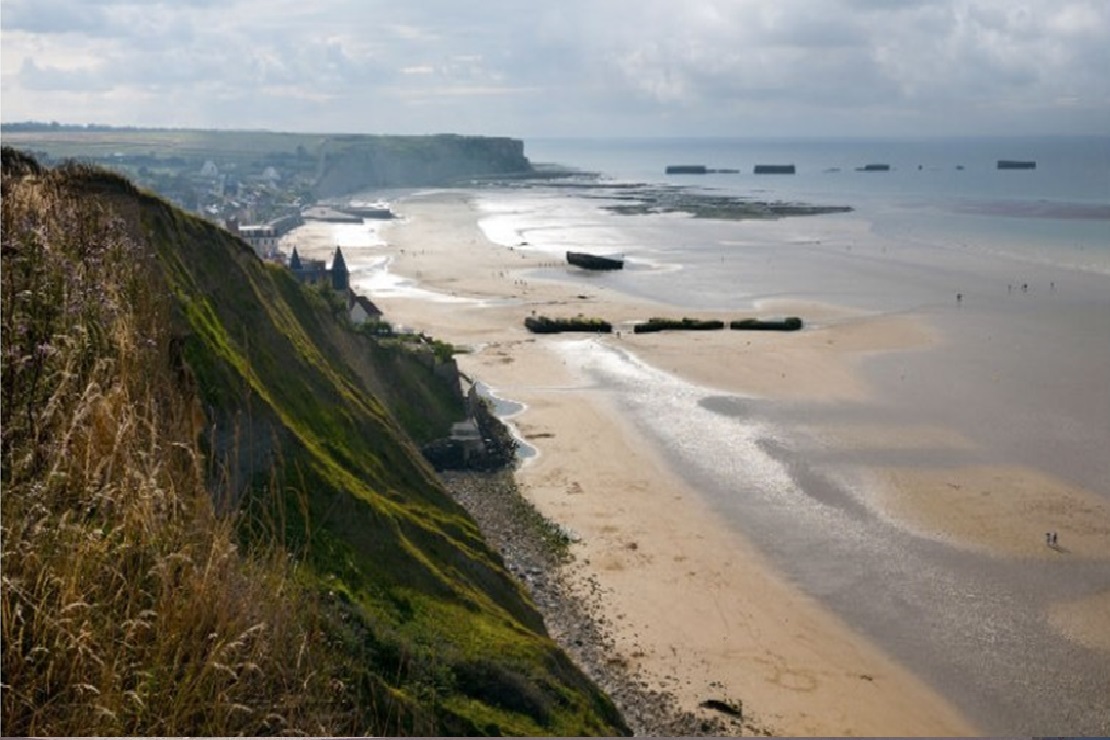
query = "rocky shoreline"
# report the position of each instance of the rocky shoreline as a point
(538, 553)
(699, 204)
(638, 198)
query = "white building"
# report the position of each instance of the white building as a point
(262, 238)
(363, 310)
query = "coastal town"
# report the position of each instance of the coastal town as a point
(260, 199)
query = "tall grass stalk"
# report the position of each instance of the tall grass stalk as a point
(127, 607)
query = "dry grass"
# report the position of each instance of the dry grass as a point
(127, 607)
(130, 603)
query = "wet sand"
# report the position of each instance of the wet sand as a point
(706, 601)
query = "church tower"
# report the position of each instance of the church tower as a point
(340, 277)
(295, 262)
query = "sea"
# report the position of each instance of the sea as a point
(947, 190)
(1011, 267)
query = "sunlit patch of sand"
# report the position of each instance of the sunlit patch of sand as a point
(819, 363)
(1005, 511)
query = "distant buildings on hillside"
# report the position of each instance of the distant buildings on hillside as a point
(360, 309)
(263, 238)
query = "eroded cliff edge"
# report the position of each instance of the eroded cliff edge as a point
(348, 164)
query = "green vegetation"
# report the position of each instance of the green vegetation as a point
(214, 521)
(546, 325)
(81, 141)
(420, 343)
(684, 324)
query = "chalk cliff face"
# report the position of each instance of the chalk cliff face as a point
(352, 163)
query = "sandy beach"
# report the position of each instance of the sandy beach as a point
(696, 607)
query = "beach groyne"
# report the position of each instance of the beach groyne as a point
(546, 325)
(655, 324)
(791, 323)
(686, 169)
(698, 169)
(774, 169)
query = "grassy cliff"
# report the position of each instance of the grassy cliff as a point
(352, 163)
(213, 522)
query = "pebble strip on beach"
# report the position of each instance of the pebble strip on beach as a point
(536, 553)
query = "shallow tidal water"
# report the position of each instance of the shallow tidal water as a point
(1022, 369)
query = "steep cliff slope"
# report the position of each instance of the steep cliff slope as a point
(351, 163)
(166, 395)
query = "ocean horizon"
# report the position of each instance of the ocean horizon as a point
(950, 187)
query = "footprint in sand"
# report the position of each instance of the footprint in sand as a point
(795, 680)
(611, 563)
(792, 679)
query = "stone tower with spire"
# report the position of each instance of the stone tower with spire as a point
(340, 276)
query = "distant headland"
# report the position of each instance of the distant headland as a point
(221, 173)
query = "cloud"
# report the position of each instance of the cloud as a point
(54, 17)
(39, 78)
(573, 66)
(928, 58)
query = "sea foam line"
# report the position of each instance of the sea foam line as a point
(727, 453)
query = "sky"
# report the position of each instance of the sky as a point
(555, 68)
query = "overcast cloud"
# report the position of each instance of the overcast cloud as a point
(564, 67)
